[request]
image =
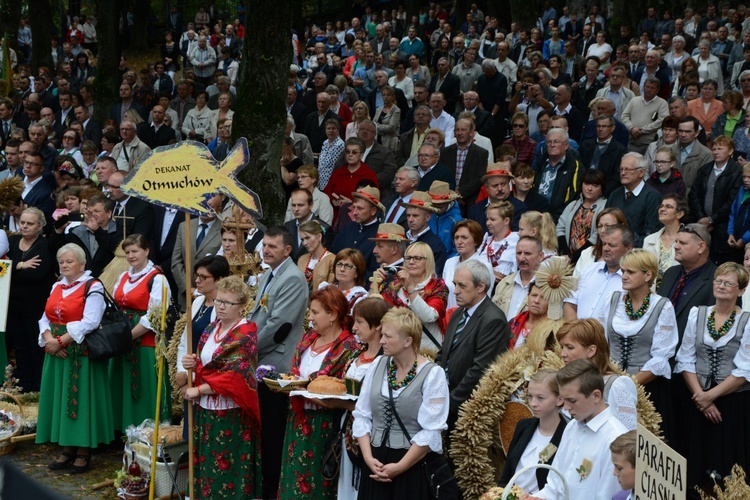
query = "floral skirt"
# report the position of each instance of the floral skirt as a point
(92, 424)
(304, 442)
(227, 455)
(134, 385)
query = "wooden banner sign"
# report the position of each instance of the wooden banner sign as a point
(660, 473)
(184, 175)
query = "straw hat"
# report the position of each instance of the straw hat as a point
(370, 194)
(420, 199)
(388, 231)
(440, 192)
(501, 168)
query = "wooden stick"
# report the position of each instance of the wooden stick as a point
(159, 378)
(188, 308)
(26, 437)
(103, 484)
(169, 497)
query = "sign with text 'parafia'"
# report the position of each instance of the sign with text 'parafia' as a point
(660, 473)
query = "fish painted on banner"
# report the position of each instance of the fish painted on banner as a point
(185, 175)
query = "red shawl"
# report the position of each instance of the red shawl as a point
(231, 371)
(435, 295)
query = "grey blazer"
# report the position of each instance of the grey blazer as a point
(287, 303)
(209, 246)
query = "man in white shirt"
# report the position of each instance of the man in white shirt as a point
(507, 67)
(405, 183)
(583, 456)
(599, 280)
(440, 118)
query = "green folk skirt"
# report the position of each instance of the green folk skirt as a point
(227, 455)
(91, 422)
(133, 378)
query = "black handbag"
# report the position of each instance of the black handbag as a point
(439, 475)
(113, 336)
(331, 459)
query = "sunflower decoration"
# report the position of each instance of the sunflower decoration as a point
(4, 266)
(555, 279)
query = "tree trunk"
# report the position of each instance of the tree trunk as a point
(139, 35)
(525, 12)
(40, 21)
(260, 109)
(10, 19)
(108, 79)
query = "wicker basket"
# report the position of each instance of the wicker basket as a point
(7, 445)
(291, 385)
(162, 481)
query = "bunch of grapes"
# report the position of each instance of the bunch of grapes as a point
(135, 484)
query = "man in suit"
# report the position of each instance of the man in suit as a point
(163, 237)
(693, 154)
(497, 181)
(315, 128)
(278, 313)
(563, 107)
(92, 131)
(301, 202)
(126, 103)
(183, 103)
(419, 211)
(6, 120)
(447, 83)
(157, 133)
(586, 41)
(37, 191)
(410, 141)
(65, 115)
(653, 68)
(638, 200)
(485, 122)
(132, 216)
(375, 98)
(476, 334)
(466, 161)
(205, 239)
(604, 153)
(296, 109)
(573, 29)
(405, 183)
(711, 198)
(430, 169)
(688, 284)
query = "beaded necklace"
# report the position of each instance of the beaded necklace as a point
(717, 334)
(218, 337)
(320, 349)
(393, 383)
(634, 315)
(309, 270)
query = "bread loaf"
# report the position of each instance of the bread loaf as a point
(327, 385)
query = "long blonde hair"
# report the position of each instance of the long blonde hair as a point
(543, 223)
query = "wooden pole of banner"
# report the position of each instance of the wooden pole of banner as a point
(159, 378)
(188, 308)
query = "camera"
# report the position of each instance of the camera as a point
(391, 271)
(525, 87)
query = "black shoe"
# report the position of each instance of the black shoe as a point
(58, 465)
(80, 469)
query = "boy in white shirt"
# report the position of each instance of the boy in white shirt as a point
(584, 456)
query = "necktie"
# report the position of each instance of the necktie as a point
(597, 155)
(201, 236)
(265, 287)
(678, 289)
(628, 195)
(394, 211)
(461, 325)
(6, 129)
(683, 155)
(118, 209)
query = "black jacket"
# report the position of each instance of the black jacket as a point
(521, 438)
(567, 182)
(609, 162)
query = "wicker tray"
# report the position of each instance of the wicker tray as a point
(7, 444)
(286, 385)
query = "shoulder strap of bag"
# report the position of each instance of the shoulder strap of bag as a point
(393, 408)
(431, 336)
(108, 300)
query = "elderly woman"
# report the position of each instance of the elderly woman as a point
(733, 115)
(307, 178)
(223, 111)
(402, 81)
(340, 108)
(33, 273)
(641, 329)
(360, 113)
(585, 339)
(388, 119)
(709, 67)
(467, 236)
(71, 143)
(197, 123)
(346, 94)
(74, 404)
(676, 56)
(417, 288)
(714, 361)
(333, 147)
(601, 49)
(317, 264)
(208, 271)
(418, 72)
(227, 420)
(404, 383)
(520, 140)
(672, 211)
(575, 229)
(349, 269)
(133, 376)
(325, 349)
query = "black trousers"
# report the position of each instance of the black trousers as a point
(274, 408)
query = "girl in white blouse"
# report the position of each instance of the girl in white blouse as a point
(641, 329)
(400, 382)
(714, 360)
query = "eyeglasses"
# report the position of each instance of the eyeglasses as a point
(629, 169)
(32, 164)
(556, 143)
(352, 152)
(690, 230)
(203, 277)
(728, 284)
(519, 125)
(605, 226)
(225, 303)
(414, 258)
(343, 265)
(425, 156)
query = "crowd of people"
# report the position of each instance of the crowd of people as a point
(437, 169)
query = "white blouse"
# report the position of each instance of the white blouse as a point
(432, 415)
(527, 481)
(182, 348)
(623, 400)
(506, 263)
(664, 342)
(155, 294)
(93, 310)
(686, 357)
